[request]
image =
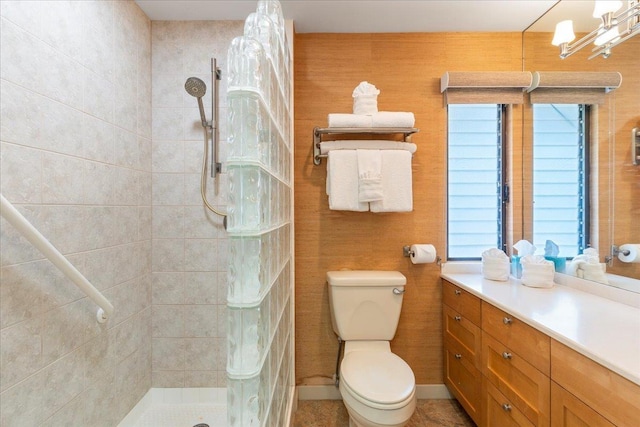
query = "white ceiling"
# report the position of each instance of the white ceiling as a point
(360, 16)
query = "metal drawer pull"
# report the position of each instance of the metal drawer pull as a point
(458, 356)
(457, 318)
(458, 291)
(506, 407)
(507, 320)
(506, 355)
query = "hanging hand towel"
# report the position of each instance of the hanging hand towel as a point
(342, 181)
(369, 175)
(396, 182)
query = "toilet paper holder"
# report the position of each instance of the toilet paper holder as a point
(615, 250)
(407, 252)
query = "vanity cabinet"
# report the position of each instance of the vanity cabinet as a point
(613, 398)
(515, 362)
(507, 373)
(462, 347)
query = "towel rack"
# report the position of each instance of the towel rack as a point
(318, 132)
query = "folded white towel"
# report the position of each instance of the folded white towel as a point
(537, 272)
(369, 175)
(381, 119)
(339, 120)
(366, 144)
(342, 181)
(392, 119)
(396, 182)
(593, 272)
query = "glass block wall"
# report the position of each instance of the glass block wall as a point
(259, 300)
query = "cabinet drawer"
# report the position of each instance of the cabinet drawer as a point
(500, 412)
(569, 411)
(530, 343)
(611, 395)
(464, 381)
(523, 385)
(466, 336)
(461, 301)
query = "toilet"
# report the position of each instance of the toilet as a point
(377, 386)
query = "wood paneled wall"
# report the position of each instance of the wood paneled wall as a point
(407, 70)
(618, 189)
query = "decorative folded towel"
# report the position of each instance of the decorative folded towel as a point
(393, 119)
(342, 181)
(365, 98)
(369, 175)
(396, 182)
(366, 144)
(339, 120)
(537, 272)
(382, 119)
(495, 265)
(588, 266)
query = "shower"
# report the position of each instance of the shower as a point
(197, 88)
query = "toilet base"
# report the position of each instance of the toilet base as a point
(355, 420)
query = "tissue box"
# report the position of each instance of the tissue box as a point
(560, 263)
(516, 267)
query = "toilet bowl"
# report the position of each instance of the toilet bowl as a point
(377, 386)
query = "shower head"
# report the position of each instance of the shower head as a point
(196, 87)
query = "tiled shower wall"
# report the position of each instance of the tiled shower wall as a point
(189, 243)
(75, 147)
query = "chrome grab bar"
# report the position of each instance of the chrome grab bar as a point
(15, 218)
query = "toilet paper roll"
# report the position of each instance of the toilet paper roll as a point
(634, 253)
(423, 254)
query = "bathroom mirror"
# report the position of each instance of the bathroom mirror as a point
(616, 190)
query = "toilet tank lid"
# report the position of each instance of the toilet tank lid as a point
(365, 278)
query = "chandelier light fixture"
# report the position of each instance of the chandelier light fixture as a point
(617, 25)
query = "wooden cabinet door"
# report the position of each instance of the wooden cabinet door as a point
(526, 387)
(464, 381)
(569, 411)
(500, 411)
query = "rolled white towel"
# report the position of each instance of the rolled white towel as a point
(495, 265)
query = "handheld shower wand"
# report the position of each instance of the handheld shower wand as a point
(197, 88)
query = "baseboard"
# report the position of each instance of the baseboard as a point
(330, 392)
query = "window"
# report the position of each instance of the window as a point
(475, 202)
(561, 176)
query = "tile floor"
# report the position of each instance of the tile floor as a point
(429, 413)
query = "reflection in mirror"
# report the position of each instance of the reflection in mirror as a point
(615, 180)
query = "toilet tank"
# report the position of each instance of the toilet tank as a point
(363, 305)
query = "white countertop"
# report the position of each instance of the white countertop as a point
(602, 329)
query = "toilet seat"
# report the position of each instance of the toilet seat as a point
(378, 379)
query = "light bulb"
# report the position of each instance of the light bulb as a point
(564, 33)
(607, 36)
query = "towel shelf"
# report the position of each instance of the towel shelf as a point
(318, 132)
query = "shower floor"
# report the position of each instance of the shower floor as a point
(179, 407)
(187, 415)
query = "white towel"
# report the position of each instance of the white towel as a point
(339, 120)
(392, 119)
(396, 182)
(495, 265)
(537, 272)
(342, 181)
(369, 175)
(366, 144)
(381, 119)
